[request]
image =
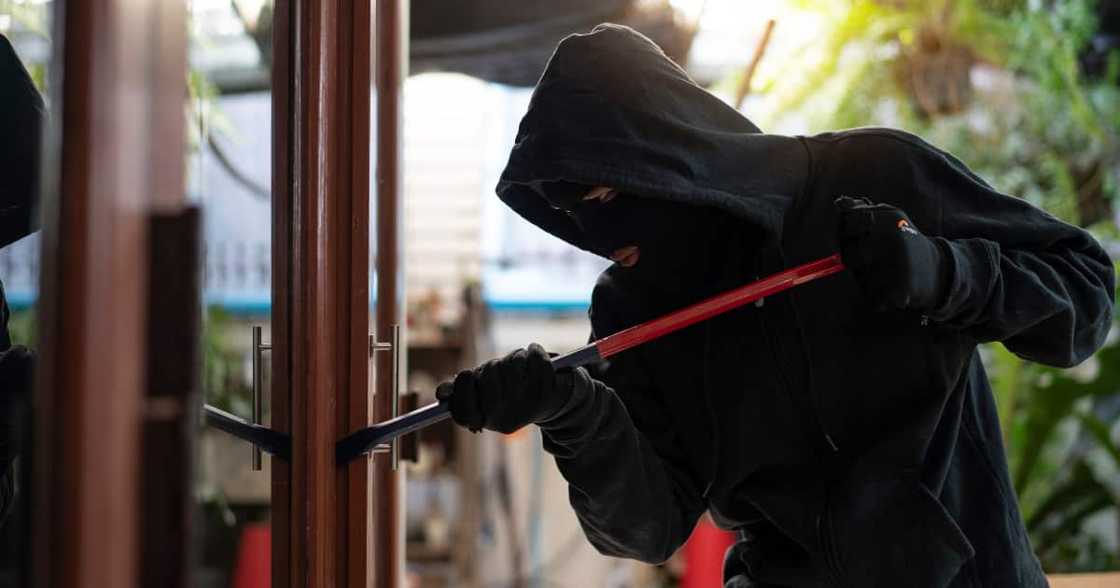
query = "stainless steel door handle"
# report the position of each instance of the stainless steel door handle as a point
(393, 345)
(258, 383)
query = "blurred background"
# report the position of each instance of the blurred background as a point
(1026, 92)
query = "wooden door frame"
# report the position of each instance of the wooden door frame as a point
(280, 401)
(121, 65)
(114, 153)
(322, 517)
(391, 66)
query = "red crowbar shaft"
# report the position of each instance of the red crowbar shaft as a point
(366, 439)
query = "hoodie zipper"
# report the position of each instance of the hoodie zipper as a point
(711, 412)
(832, 569)
(813, 404)
(824, 539)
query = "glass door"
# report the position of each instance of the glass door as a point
(229, 170)
(280, 165)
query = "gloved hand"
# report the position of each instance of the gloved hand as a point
(896, 266)
(506, 394)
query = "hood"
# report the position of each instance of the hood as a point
(21, 123)
(612, 110)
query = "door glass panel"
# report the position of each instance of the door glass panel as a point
(25, 54)
(229, 176)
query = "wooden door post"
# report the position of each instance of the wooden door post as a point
(321, 288)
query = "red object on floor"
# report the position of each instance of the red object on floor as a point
(703, 555)
(253, 568)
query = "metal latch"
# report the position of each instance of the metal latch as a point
(261, 437)
(258, 395)
(394, 346)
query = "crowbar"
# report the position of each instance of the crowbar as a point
(363, 441)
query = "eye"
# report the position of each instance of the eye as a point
(601, 193)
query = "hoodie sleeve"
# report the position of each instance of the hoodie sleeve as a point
(629, 481)
(1042, 287)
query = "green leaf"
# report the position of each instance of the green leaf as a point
(1100, 432)
(1067, 496)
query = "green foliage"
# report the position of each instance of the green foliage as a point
(32, 18)
(29, 16)
(224, 381)
(999, 84)
(204, 117)
(22, 328)
(1063, 453)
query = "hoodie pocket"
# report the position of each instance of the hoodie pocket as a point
(890, 532)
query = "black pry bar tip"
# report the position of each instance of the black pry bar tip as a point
(365, 440)
(271, 442)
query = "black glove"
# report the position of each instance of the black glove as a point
(896, 266)
(506, 394)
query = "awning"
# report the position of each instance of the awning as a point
(502, 41)
(510, 41)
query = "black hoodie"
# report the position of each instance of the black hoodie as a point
(849, 447)
(22, 114)
(21, 120)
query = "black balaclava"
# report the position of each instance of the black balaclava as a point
(677, 242)
(693, 176)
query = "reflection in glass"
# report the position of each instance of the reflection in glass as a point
(229, 176)
(25, 47)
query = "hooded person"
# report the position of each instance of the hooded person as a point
(846, 428)
(22, 115)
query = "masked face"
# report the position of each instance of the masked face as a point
(653, 237)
